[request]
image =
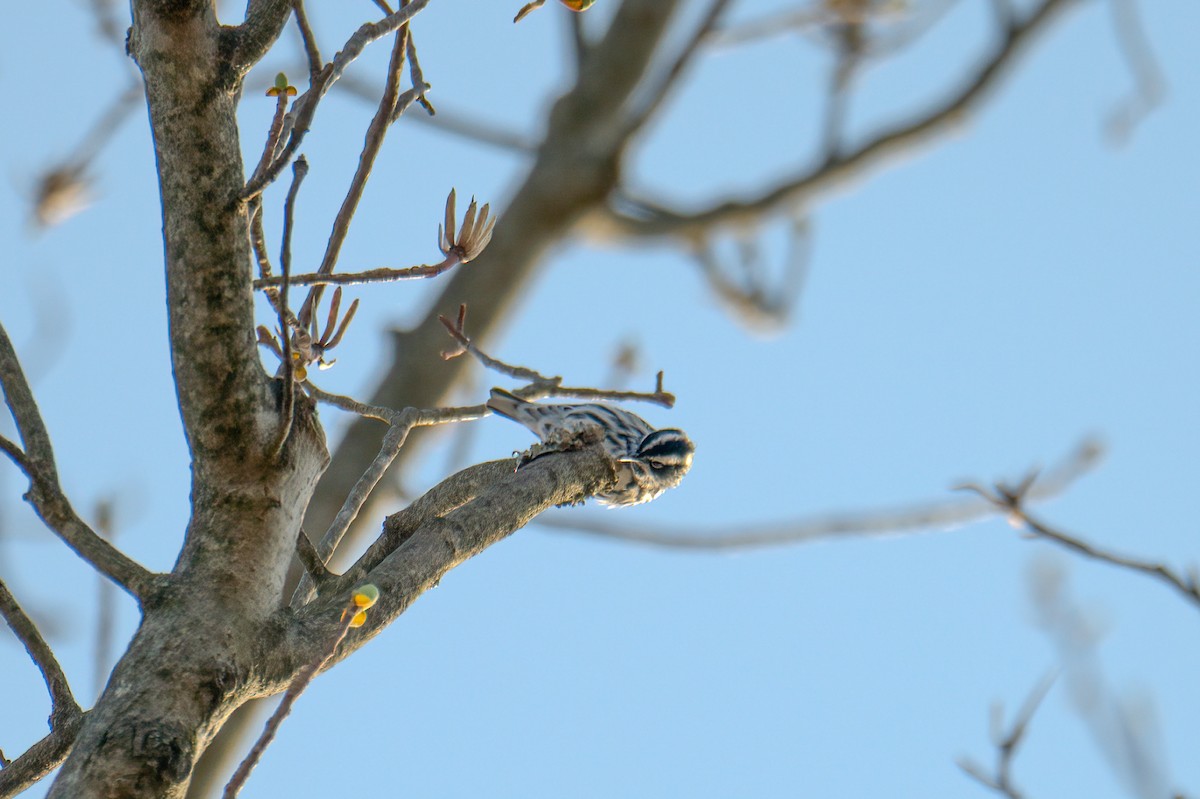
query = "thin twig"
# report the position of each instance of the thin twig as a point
(385, 415)
(299, 170)
(105, 609)
(1149, 85)
(311, 52)
(890, 521)
(1011, 500)
(274, 134)
(416, 75)
(401, 424)
(659, 93)
(759, 306)
(465, 345)
(258, 243)
(540, 386)
(376, 131)
(305, 107)
(381, 275)
(297, 686)
(453, 122)
(62, 702)
(1007, 743)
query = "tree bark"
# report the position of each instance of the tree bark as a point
(204, 628)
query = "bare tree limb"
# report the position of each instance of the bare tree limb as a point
(401, 424)
(1007, 743)
(659, 93)
(45, 494)
(376, 131)
(62, 702)
(305, 108)
(1011, 501)
(828, 173)
(297, 686)
(888, 521)
(576, 167)
(288, 368)
(458, 248)
(540, 386)
(41, 758)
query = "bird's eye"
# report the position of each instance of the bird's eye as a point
(657, 464)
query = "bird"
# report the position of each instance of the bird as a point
(649, 461)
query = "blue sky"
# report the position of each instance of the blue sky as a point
(969, 311)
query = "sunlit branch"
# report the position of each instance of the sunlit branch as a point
(311, 51)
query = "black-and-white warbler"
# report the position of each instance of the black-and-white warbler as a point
(651, 461)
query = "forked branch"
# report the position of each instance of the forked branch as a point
(1011, 501)
(540, 386)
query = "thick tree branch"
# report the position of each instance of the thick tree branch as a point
(498, 502)
(829, 173)
(372, 144)
(45, 494)
(224, 395)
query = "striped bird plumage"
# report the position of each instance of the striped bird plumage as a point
(650, 461)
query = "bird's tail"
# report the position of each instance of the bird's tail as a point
(506, 404)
